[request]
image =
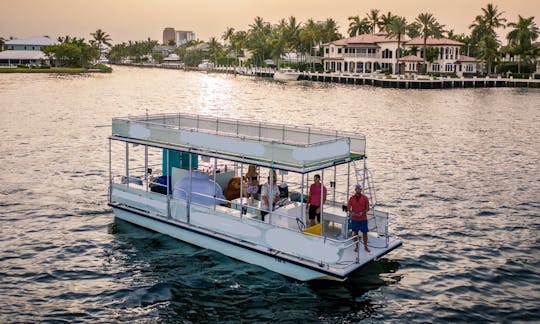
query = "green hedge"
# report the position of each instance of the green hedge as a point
(520, 75)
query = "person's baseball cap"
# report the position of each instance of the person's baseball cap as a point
(358, 186)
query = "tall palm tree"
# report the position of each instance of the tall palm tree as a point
(229, 31)
(373, 19)
(330, 31)
(397, 28)
(386, 20)
(358, 26)
(291, 35)
(214, 48)
(520, 39)
(101, 37)
(426, 22)
(310, 34)
(259, 34)
(428, 27)
(483, 33)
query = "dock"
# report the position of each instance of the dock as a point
(376, 80)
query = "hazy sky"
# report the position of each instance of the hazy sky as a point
(139, 19)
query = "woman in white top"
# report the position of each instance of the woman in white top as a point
(270, 196)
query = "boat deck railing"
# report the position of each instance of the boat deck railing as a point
(269, 132)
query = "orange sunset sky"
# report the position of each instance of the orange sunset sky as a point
(138, 19)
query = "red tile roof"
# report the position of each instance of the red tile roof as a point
(434, 41)
(465, 58)
(411, 58)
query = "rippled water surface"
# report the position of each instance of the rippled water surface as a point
(459, 169)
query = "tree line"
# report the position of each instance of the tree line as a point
(272, 41)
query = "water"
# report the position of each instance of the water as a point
(458, 167)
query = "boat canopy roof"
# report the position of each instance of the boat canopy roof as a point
(286, 147)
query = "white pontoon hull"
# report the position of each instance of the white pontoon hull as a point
(190, 235)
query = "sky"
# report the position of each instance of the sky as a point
(139, 19)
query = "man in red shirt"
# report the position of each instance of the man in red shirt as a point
(314, 199)
(358, 207)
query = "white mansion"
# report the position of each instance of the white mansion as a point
(370, 52)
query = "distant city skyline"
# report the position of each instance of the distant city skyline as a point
(138, 20)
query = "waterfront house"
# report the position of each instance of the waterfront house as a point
(26, 51)
(368, 53)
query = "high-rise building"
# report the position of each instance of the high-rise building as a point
(168, 35)
(184, 36)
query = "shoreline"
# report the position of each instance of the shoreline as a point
(53, 70)
(376, 80)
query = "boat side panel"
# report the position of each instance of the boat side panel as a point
(272, 263)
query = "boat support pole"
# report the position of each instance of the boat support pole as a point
(188, 205)
(215, 179)
(146, 166)
(321, 203)
(110, 170)
(127, 163)
(169, 179)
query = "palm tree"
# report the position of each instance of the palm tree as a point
(358, 26)
(310, 34)
(483, 33)
(101, 37)
(414, 30)
(330, 31)
(259, 33)
(292, 35)
(373, 19)
(428, 27)
(520, 39)
(386, 20)
(397, 28)
(229, 31)
(214, 48)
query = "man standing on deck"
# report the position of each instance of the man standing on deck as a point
(315, 200)
(358, 207)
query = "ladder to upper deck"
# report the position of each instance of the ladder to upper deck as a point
(365, 177)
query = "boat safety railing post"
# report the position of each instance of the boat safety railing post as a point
(302, 201)
(241, 190)
(347, 198)
(321, 203)
(146, 166)
(334, 185)
(188, 204)
(110, 170)
(271, 194)
(215, 179)
(127, 163)
(168, 185)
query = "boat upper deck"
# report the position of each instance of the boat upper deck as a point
(299, 149)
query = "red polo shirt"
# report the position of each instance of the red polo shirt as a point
(358, 206)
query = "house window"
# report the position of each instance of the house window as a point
(387, 53)
(339, 50)
(469, 68)
(449, 67)
(435, 67)
(326, 50)
(332, 49)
